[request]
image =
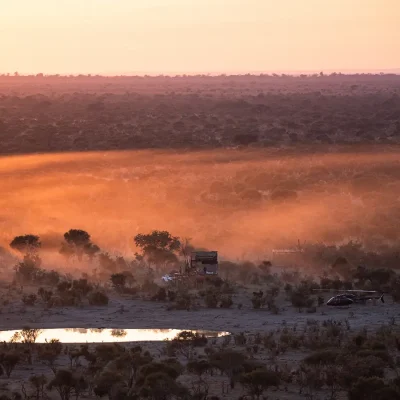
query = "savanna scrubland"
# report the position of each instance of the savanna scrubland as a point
(108, 183)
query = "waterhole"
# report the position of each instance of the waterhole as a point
(98, 335)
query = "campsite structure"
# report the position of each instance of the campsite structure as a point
(200, 263)
(204, 262)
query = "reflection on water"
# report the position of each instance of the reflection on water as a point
(118, 333)
(95, 335)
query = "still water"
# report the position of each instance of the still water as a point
(96, 335)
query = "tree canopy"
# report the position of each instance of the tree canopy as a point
(77, 237)
(77, 243)
(158, 246)
(26, 243)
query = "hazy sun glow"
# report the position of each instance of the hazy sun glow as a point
(177, 36)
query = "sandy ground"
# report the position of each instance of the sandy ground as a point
(125, 313)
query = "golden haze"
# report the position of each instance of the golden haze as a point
(223, 199)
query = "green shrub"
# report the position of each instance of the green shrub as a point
(300, 298)
(257, 302)
(240, 339)
(45, 295)
(149, 286)
(81, 286)
(119, 281)
(214, 280)
(355, 368)
(105, 382)
(226, 301)
(366, 389)
(198, 367)
(185, 342)
(160, 386)
(38, 382)
(63, 286)
(227, 361)
(156, 367)
(381, 354)
(8, 361)
(161, 295)
(211, 299)
(98, 299)
(27, 270)
(29, 300)
(67, 383)
(49, 352)
(322, 357)
(184, 301)
(258, 381)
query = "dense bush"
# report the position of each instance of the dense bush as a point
(8, 362)
(226, 301)
(119, 281)
(184, 344)
(168, 369)
(67, 384)
(45, 295)
(98, 299)
(212, 298)
(81, 286)
(27, 270)
(322, 357)
(161, 295)
(258, 381)
(29, 299)
(301, 299)
(373, 388)
(223, 111)
(49, 352)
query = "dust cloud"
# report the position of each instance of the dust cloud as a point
(241, 203)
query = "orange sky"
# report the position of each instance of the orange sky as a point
(177, 36)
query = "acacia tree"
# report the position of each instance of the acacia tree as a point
(186, 247)
(77, 243)
(185, 342)
(160, 386)
(91, 250)
(229, 362)
(106, 382)
(372, 388)
(28, 268)
(8, 362)
(38, 382)
(107, 263)
(118, 281)
(49, 352)
(67, 383)
(199, 367)
(26, 244)
(258, 381)
(158, 247)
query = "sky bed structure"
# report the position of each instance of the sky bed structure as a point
(204, 262)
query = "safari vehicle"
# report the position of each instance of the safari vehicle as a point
(172, 276)
(204, 262)
(200, 263)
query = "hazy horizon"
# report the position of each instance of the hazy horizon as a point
(174, 37)
(111, 74)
